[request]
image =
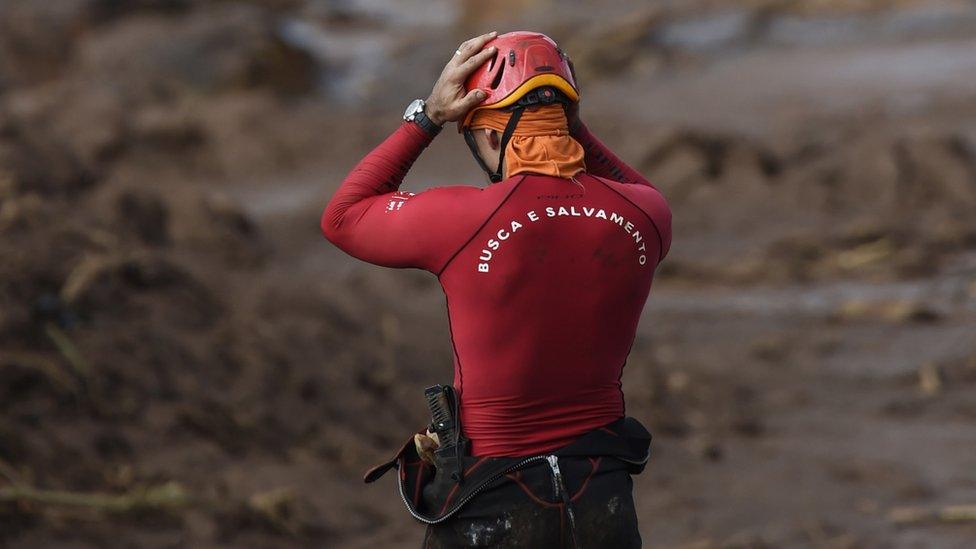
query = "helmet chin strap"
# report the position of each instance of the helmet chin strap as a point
(497, 174)
(540, 96)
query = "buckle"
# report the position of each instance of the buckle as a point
(545, 95)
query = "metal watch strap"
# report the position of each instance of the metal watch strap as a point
(426, 123)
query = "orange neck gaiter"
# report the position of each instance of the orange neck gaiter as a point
(540, 143)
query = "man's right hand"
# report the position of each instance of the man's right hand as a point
(449, 101)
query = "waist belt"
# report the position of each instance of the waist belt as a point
(625, 439)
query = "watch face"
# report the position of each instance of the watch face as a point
(413, 108)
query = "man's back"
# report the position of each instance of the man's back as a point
(545, 279)
(545, 273)
(544, 299)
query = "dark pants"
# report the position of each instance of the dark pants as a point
(527, 509)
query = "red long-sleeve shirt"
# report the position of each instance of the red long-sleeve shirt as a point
(545, 280)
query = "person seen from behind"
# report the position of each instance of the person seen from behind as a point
(545, 271)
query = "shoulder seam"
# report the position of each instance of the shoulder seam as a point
(657, 231)
(487, 219)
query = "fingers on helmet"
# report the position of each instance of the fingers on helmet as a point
(472, 98)
(477, 60)
(470, 47)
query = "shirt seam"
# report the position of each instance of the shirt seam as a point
(657, 231)
(482, 226)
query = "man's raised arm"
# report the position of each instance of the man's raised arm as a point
(369, 219)
(601, 161)
(357, 217)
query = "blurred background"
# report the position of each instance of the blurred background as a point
(184, 361)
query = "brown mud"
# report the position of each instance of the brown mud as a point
(185, 362)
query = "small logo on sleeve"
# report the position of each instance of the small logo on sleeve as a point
(398, 200)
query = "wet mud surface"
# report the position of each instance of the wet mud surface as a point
(184, 361)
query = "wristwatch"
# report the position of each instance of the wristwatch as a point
(415, 113)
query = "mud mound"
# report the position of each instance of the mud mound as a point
(135, 319)
(665, 38)
(861, 206)
(131, 322)
(124, 331)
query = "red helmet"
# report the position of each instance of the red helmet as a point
(525, 61)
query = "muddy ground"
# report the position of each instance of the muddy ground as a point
(184, 361)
